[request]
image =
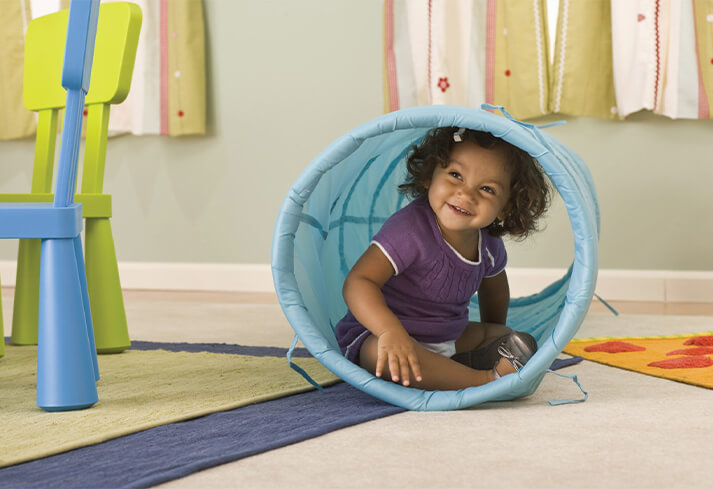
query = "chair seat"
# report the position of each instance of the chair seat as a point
(93, 205)
(39, 220)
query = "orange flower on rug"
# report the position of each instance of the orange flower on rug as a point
(683, 358)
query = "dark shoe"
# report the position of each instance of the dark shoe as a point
(483, 358)
(517, 349)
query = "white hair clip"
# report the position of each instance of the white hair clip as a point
(458, 135)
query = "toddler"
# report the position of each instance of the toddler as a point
(408, 293)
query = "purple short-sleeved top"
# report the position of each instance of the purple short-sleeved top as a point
(433, 283)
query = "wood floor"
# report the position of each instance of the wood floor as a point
(623, 307)
(657, 308)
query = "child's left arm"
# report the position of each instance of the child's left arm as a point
(494, 299)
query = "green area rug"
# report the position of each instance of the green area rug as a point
(138, 390)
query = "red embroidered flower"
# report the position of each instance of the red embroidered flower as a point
(696, 350)
(443, 84)
(699, 361)
(614, 347)
(700, 341)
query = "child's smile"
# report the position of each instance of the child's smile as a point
(459, 210)
(469, 193)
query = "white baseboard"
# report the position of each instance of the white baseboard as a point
(197, 276)
(180, 276)
(625, 285)
(615, 285)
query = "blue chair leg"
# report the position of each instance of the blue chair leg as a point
(2, 334)
(65, 372)
(79, 256)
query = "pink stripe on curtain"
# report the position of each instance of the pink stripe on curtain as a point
(703, 112)
(430, 47)
(391, 79)
(490, 52)
(164, 67)
(657, 42)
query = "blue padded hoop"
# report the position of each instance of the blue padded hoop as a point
(342, 198)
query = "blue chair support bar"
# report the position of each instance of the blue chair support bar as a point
(67, 368)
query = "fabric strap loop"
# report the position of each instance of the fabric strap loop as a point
(532, 127)
(606, 304)
(299, 369)
(569, 401)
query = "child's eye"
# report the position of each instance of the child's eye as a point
(455, 174)
(490, 190)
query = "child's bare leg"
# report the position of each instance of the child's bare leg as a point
(478, 335)
(438, 372)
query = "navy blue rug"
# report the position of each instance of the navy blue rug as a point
(176, 450)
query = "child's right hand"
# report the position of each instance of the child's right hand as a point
(396, 349)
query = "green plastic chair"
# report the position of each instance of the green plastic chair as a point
(113, 63)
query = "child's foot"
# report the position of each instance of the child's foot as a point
(515, 352)
(502, 368)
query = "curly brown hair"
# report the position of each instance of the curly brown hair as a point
(530, 191)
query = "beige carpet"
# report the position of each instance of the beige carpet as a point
(138, 390)
(634, 432)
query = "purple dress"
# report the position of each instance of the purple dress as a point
(433, 284)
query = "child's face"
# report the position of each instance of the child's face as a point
(471, 191)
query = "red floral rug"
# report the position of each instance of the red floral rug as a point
(684, 358)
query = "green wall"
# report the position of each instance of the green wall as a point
(287, 78)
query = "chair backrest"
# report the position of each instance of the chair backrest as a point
(113, 63)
